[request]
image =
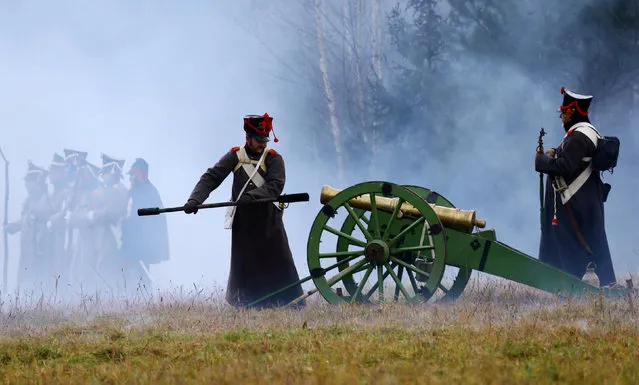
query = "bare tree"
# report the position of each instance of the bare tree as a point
(335, 62)
(328, 90)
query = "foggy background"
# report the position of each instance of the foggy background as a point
(445, 95)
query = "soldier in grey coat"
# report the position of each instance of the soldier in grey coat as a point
(261, 259)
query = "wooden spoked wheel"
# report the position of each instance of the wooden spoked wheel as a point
(382, 246)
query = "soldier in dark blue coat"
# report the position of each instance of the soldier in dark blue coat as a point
(574, 233)
(261, 260)
(145, 241)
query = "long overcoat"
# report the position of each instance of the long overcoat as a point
(261, 259)
(560, 245)
(144, 239)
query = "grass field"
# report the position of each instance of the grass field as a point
(497, 333)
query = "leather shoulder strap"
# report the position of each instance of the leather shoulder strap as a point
(588, 130)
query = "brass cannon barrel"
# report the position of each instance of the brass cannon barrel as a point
(462, 220)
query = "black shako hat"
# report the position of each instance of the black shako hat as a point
(259, 127)
(140, 167)
(579, 102)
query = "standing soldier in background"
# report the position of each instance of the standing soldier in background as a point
(79, 217)
(59, 179)
(32, 227)
(78, 175)
(144, 241)
(106, 218)
(261, 260)
(575, 233)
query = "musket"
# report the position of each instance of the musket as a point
(285, 198)
(5, 222)
(540, 150)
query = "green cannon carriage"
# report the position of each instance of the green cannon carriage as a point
(379, 236)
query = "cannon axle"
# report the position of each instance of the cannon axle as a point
(377, 252)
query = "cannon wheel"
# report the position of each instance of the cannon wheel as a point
(382, 246)
(449, 293)
(463, 274)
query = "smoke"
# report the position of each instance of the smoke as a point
(478, 148)
(166, 82)
(170, 83)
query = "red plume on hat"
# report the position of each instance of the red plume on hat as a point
(260, 125)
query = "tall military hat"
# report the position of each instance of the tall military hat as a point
(259, 127)
(140, 167)
(111, 164)
(74, 157)
(58, 161)
(93, 169)
(579, 102)
(35, 172)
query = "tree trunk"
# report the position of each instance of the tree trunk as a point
(376, 64)
(328, 90)
(376, 40)
(355, 37)
(635, 101)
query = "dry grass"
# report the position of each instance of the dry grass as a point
(496, 333)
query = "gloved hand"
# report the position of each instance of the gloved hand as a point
(191, 207)
(11, 228)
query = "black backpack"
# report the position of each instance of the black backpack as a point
(607, 152)
(606, 155)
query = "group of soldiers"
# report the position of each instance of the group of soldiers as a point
(79, 228)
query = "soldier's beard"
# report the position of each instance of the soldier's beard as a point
(256, 148)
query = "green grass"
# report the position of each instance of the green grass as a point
(494, 334)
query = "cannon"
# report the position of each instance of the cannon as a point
(378, 236)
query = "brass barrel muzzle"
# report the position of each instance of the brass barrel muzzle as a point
(462, 220)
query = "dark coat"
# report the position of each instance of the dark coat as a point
(261, 259)
(560, 245)
(145, 238)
